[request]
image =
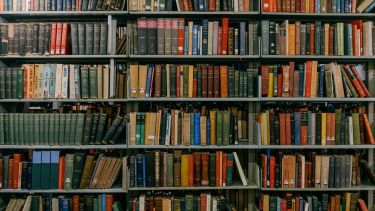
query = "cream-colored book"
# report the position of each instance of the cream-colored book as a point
(58, 87)
(191, 73)
(72, 86)
(27, 205)
(100, 81)
(210, 38)
(324, 171)
(151, 128)
(318, 165)
(106, 82)
(186, 129)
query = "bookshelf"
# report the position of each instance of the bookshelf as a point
(254, 104)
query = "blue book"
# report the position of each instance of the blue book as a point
(59, 5)
(65, 204)
(208, 131)
(54, 169)
(342, 6)
(197, 129)
(148, 81)
(278, 204)
(182, 204)
(301, 80)
(301, 204)
(242, 38)
(321, 81)
(144, 170)
(137, 205)
(201, 5)
(204, 37)
(103, 202)
(297, 126)
(337, 6)
(268, 168)
(186, 40)
(309, 126)
(195, 39)
(36, 167)
(318, 6)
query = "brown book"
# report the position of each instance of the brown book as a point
(158, 72)
(205, 169)
(177, 168)
(230, 40)
(197, 168)
(10, 173)
(190, 83)
(203, 127)
(223, 81)
(97, 171)
(216, 81)
(291, 39)
(331, 50)
(213, 127)
(113, 175)
(210, 81)
(106, 171)
(298, 37)
(283, 38)
(133, 80)
(186, 129)
(265, 79)
(86, 172)
(326, 39)
(195, 82)
(142, 79)
(204, 80)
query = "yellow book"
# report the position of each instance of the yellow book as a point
(324, 121)
(191, 71)
(151, 128)
(347, 201)
(132, 127)
(308, 6)
(184, 170)
(133, 72)
(190, 38)
(157, 131)
(213, 127)
(142, 80)
(147, 119)
(266, 202)
(203, 130)
(270, 84)
(186, 129)
(100, 81)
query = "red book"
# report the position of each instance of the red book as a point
(76, 203)
(210, 81)
(61, 172)
(308, 79)
(272, 171)
(216, 81)
(328, 129)
(303, 6)
(10, 173)
(246, 6)
(264, 170)
(358, 23)
(283, 205)
(1, 172)
(271, 5)
(52, 49)
(64, 39)
(368, 131)
(312, 6)
(288, 138)
(312, 39)
(181, 23)
(58, 38)
(298, 6)
(197, 168)
(25, 68)
(195, 82)
(362, 205)
(363, 86)
(291, 78)
(354, 81)
(219, 38)
(78, 5)
(355, 40)
(108, 202)
(219, 170)
(282, 129)
(265, 79)
(177, 81)
(204, 81)
(191, 170)
(224, 170)
(204, 201)
(16, 164)
(266, 5)
(224, 40)
(279, 84)
(304, 130)
(211, 5)
(223, 81)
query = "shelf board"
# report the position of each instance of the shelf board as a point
(354, 188)
(62, 191)
(193, 147)
(325, 16)
(77, 147)
(195, 14)
(165, 99)
(316, 57)
(62, 100)
(317, 99)
(220, 58)
(303, 147)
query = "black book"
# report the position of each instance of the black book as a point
(163, 127)
(74, 38)
(308, 31)
(29, 38)
(8, 82)
(337, 176)
(118, 132)
(151, 36)
(35, 38)
(318, 26)
(94, 128)
(277, 129)
(272, 37)
(318, 120)
(24, 174)
(16, 41)
(2, 82)
(292, 128)
(81, 39)
(139, 170)
(79, 161)
(103, 38)
(132, 171)
(172, 74)
(3, 39)
(231, 82)
(101, 127)
(14, 82)
(163, 81)
(272, 128)
(87, 128)
(331, 174)
(150, 166)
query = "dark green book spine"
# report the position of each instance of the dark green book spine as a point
(67, 124)
(101, 126)
(8, 83)
(51, 129)
(19, 83)
(89, 38)
(5, 172)
(11, 128)
(79, 160)
(2, 82)
(42, 129)
(81, 39)
(80, 127)
(172, 75)
(231, 82)
(16, 129)
(61, 137)
(219, 128)
(186, 81)
(85, 82)
(74, 38)
(36, 128)
(2, 129)
(87, 128)
(72, 130)
(14, 82)
(94, 128)
(36, 170)
(45, 170)
(103, 38)
(241, 85)
(56, 130)
(93, 82)
(96, 41)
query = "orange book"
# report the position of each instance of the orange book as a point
(354, 81)
(191, 170)
(211, 5)
(288, 137)
(266, 5)
(52, 47)
(64, 39)
(312, 38)
(355, 40)
(224, 179)
(291, 78)
(272, 171)
(224, 40)
(291, 39)
(312, 6)
(223, 81)
(304, 130)
(362, 205)
(368, 131)
(1, 5)
(180, 41)
(363, 86)
(25, 68)
(61, 172)
(108, 202)
(76, 203)
(333, 128)
(308, 79)
(30, 81)
(328, 129)
(282, 129)
(10, 174)
(203, 201)
(219, 166)
(16, 163)
(264, 170)
(246, 6)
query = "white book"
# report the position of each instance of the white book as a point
(239, 169)
(105, 81)
(142, 202)
(71, 83)
(65, 82)
(208, 202)
(351, 137)
(214, 203)
(27, 206)
(235, 4)
(46, 79)
(306, 208)
(58, 80)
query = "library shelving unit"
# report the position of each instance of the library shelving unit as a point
(253, 146)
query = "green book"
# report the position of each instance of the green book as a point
(46, 128)
(226, 127)
(236, 83)
(79, 161)
(189, 202)
(93, 82)
(273, 203)
(16, 129)
(36, 170)
(14, 82)
(2, 82)
(212, 171)
(219, 127)
(170, 170)
(101, 127)
(42, 129)
(356, 129)
(87, 128)
(138, 128)
(186, 80)
(56, 129)
(85, 82)
(143, 122)
(176, 204)
(8, 83)
(35, 201)
(73, 128)
(36, 127)
(325, 202)
(45, 170)
(191, 128)
(54, 170)
(94, 128)
(7, 128)
(26, 133)
(231, 82)
(244, 84)
(229, 170)
(67, 129)
(21, 126)
(5, 171)
(117, 206)
(61, 136)
(2, 129)
(338, 112)
(79, 132)
(68, 176)
(11, 128)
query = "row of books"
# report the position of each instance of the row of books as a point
(60, 128)
(76, 202)
(310, 171)
(311, 79)
(179, 127)
(203, 201)
(318, 6)
(57, 81)
(346, 201)
(304, 126)
(173, 80)
(53, 38)
(174, 36)
(162, 169)
(50, 170)
(353, 38)
(58, 5)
